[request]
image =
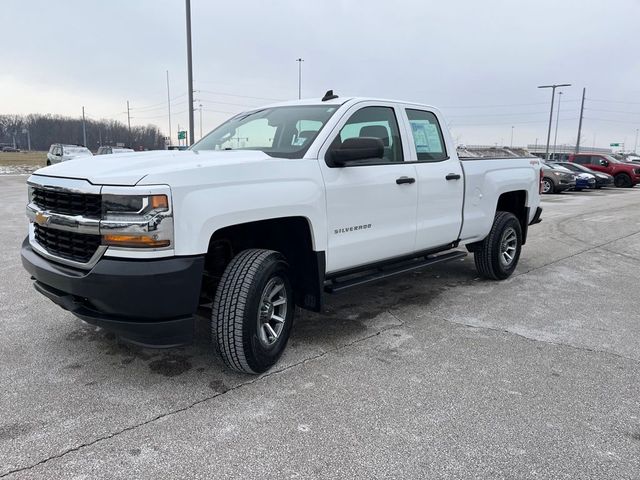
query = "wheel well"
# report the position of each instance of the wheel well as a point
(290, 236)
(516, 203)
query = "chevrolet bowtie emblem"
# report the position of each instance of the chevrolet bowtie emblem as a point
(42, 218)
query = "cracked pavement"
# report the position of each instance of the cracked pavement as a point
(435, 374)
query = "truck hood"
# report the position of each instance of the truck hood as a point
(128, 169)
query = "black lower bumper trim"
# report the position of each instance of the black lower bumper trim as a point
(150, 302)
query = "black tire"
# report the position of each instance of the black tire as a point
(48, 162)
(547, 186)
(238, 330)
(622, 180)
(488, 258)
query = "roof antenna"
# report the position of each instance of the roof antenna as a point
(329, 96)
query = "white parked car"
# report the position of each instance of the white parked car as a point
(59, 152)
(273, 209)
(106, 150)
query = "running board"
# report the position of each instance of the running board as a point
(389, 270)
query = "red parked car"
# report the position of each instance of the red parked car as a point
(624, 174)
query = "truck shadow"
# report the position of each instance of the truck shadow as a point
(347, 318)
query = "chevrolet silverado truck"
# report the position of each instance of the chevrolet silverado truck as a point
(270, 211)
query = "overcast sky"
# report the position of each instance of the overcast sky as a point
(479, 61)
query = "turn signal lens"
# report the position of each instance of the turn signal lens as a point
(143, 241)
(159, 202)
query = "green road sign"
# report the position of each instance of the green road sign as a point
(182, 135)
(614, 144)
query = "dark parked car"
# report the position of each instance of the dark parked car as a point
(602, 179)
(9, 148)
(624, 174)
(556, 179)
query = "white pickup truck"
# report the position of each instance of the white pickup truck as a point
(271, 210)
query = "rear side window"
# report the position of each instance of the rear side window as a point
(427, 136)
(582, 159)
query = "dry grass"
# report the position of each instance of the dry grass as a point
(36, 159)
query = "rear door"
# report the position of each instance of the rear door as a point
(371, 206)
(440, 180)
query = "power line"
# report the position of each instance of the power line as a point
(498, 114)
(613, 101)
(156, 106)
(240, 96)
(501, 106)
(612, 111)
(228, 103)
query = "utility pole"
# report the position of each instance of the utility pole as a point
(200, 120)
(299, 60)
(129, 123)
(169, 106)
(511, 146)
(189, 71)
(555, 138)
(553, 94)
(580, 122)
(635, 145)
(84, 129)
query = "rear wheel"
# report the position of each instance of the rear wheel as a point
(497, 255)
(547, 185)
(253, 311)
(622, 180)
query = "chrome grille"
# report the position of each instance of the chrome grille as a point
(68, 245)
(68, 203)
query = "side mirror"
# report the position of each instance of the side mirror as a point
(355, 149)
(604, 163)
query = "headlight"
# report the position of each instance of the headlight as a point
(557, 174)
(138, 205)
(131, 220)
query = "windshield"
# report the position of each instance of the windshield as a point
(612, 159)
(285, 132)
(77, 151)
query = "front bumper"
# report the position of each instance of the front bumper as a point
(149, 302)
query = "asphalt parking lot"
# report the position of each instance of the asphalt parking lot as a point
(433, 375)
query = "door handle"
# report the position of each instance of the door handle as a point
(453, 176)
(402, 180)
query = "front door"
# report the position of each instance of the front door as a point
(371, 206)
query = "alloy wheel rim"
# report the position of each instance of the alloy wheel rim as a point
(508, 246)
(272, 311)
(546, 186)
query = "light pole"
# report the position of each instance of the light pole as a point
(553, 93)
(635, 145)
(200, 120)
(299, 60)
(84, 129)
(511, 146)
(555, 138)
(169, 106)
(190, 72)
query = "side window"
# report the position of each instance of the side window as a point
(595, 160)
(427, 136)
(377, 122)
(582, 159)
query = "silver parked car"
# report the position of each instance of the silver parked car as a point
(556, 179)
(60, 152)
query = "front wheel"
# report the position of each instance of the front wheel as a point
(253, 311)
(497, 255)
(622, 180)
